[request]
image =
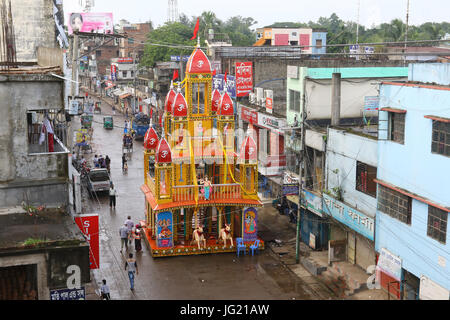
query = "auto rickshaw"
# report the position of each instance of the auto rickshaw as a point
(108, 122)
(86, 121)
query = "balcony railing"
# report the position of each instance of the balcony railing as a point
(217, 192)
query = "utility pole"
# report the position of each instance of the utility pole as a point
(357, 23)
(74, 65)
(406, 29)
(300, 177)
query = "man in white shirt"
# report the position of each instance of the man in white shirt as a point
(105, 291)
(112, 196)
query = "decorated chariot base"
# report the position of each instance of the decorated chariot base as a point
(200, 190)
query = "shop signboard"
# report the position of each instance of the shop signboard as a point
(290, 189)
(89, 226)
(390, 264)
(269, 105)
(124, 60)
(244, 78)
(312, 202)
(73, 107)
(164, 222)
(96, 22)
(250, 224)
(430, 290)
(353, 218)
(371, 103)
(249, 115)
(68, 294)
(272, 123)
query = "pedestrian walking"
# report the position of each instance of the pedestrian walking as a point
(137, 238)
(114, 110)
(96, 161)
(126, 113)
(124, 160)
(123, 232)
(130, 224)
(104, 290)
(132, 269)
(108, 163)
(112, 196)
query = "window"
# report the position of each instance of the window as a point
(397, 127)
(319, 44)
(132, 73)
(130, 41)
(124, 74)
(98, 53)
(268, 138)
(294, 100)
(294, 34)
(198, 98)
(440, 141)
(394, 204)
(364, 179)
(437, 224)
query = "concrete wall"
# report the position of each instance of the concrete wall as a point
(20, 170)
(357, 82)
(343, 150)
(34, 27)
(438, 73)
(413, 167)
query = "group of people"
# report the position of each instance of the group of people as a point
(129, 232)
(100, 162)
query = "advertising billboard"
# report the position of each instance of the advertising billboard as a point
(97, 22)
(89, 225)
(219, 80)
(244, 78)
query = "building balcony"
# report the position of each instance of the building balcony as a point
(190, 195)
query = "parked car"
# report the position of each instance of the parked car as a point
(98, 180)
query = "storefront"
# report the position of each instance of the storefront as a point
(355, 227)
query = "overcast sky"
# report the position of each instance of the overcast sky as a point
(267, 12)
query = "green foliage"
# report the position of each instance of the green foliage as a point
(32, 242)
(237, 29)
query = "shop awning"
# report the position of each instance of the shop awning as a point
(110, 86)
(125, 95)
(117, 92)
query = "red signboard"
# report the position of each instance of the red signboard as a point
(89, 225)
(244, 78)
(249, 115)
(269, 105)
(125, 60)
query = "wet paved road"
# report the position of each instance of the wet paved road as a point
(202, 277)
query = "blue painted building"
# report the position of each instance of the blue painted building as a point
(413, 177)
(319, 41)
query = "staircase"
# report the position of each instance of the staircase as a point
(343, 283)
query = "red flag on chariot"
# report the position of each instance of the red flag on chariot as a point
(196, 29)
(175, 74)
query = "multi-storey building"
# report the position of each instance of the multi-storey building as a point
(413, 176)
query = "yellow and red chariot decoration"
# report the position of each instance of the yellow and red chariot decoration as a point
(197, 184)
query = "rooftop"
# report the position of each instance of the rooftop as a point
(46, 228)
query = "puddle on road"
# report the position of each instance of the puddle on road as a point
(288, 282)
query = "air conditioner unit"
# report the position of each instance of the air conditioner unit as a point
(252, 98)
(259, 96)
(268, 94)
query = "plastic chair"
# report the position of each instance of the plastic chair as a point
(240, 245)
(254, 246)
